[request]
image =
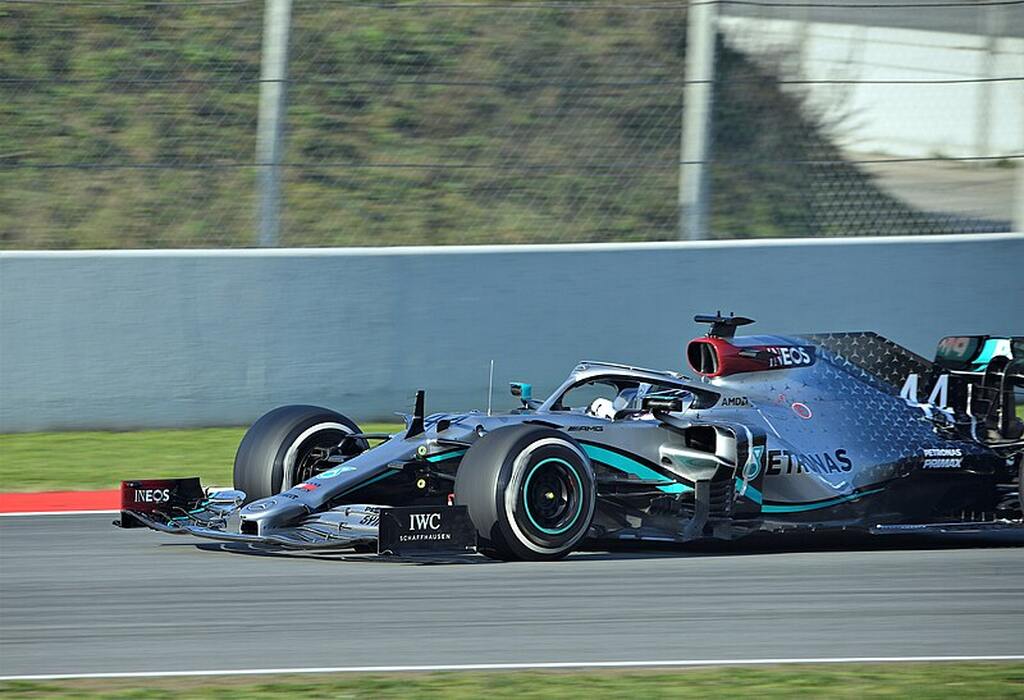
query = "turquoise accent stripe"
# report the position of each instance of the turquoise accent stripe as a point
(385, 475)
(751, 493)
(803, 507)
(988, 351)
(446, 455)
(675, 488)
(631, 466)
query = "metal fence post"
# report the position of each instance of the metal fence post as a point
(696, 128)
(1018, 197)
(983, 120)
(270, 127)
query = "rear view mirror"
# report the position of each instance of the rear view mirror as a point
(521, 390)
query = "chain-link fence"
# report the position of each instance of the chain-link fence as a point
(134, 124)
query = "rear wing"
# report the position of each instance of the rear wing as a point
(984, 376)
(975, 353)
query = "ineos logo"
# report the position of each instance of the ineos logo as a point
(425, 521)
(791, 356)
(152, 496)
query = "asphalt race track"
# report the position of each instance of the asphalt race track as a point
(79, 596)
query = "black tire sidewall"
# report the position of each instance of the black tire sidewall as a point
(490, 483)
(259, 461)
(1020, 482)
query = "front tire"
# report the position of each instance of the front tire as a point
(1020, 482)
(275, 453)
(530, 492)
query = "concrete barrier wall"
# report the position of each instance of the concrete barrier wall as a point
(153, 339)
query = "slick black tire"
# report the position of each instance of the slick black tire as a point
(275, 445)
(1020, 482)
(529, 490)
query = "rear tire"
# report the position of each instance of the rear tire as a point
(274, 451)
(530, 492)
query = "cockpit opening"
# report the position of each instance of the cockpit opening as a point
(615, 398)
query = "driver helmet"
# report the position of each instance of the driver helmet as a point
(602, 408)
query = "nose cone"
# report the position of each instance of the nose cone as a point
(268, 513)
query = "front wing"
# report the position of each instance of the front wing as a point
(182, 507)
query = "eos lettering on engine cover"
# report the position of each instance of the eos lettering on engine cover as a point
(790, 356)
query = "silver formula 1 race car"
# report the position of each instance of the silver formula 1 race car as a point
(774, 434)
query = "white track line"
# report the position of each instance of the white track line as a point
(513, 666)
(59, 512)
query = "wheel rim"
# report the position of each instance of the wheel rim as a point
(552, 496)
(300, 462)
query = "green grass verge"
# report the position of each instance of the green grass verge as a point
(925, 680)
(96, 460)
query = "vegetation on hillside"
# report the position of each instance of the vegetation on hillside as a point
(133, 125)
